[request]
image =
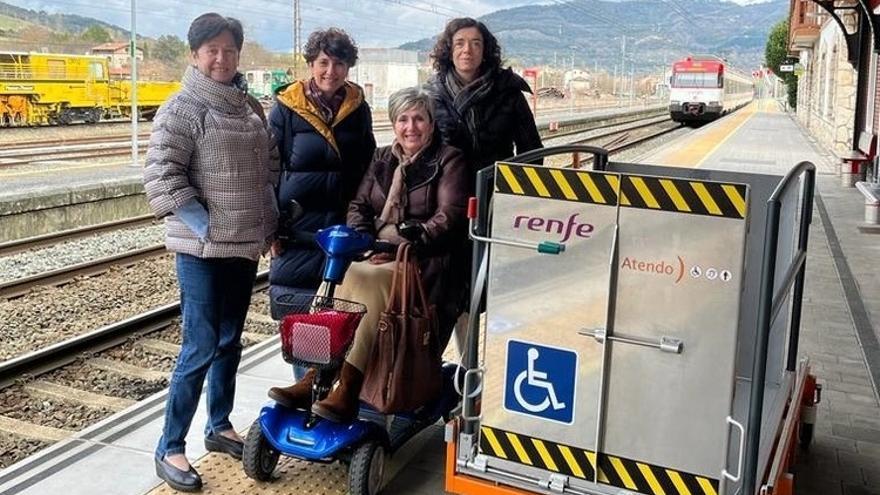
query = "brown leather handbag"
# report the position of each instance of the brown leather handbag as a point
(404, 371)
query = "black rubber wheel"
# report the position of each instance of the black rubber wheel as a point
(259, 458)
(367, 469)
(805, 435)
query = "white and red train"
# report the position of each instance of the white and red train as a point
(704, 88)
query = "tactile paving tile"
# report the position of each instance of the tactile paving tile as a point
(224, 475)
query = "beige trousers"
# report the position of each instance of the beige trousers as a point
(369, 285)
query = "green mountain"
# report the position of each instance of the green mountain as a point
(589, 33)
(14, 19)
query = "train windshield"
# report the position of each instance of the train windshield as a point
(696, 80)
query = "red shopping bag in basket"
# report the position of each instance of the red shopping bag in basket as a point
(319, 338)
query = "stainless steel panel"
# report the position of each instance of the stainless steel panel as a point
(546, 299)
(680, 276)
(760, 188)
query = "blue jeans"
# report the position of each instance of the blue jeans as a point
(214, 297)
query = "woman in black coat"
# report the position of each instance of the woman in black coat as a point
(480, 107)
(324, 131)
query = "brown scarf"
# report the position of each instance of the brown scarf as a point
(393, 212)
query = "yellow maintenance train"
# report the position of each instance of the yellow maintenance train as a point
(57, 89)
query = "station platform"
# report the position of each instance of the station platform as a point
(841, 302)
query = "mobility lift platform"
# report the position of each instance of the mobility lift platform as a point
(655, 353)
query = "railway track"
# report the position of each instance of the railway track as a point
(68, 152)
(26, 244)
(71, 141)
(21, 148)
(620, 136)
(21, 286)
(49, 394)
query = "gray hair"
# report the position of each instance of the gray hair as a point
(408, 99)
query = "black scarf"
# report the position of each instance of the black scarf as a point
(465, 97)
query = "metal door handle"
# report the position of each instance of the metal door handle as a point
(739, 462)
(665, 343)
(469, 375)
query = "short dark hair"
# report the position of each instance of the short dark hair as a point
(210, 25)
(334, 42)
(442, 53)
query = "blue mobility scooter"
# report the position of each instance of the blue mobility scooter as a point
(316, 332)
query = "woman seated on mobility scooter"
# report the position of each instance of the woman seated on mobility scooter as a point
(416, 180)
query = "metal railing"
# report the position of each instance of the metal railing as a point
(771, 301)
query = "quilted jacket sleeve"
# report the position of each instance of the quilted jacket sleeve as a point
(168, 157)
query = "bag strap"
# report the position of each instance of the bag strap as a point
(396, 280)
(413, 290)
(405, 298)
(419, 290)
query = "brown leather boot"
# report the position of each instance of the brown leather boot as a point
(342, 404)
(296, 396)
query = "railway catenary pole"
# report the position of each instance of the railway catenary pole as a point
(297, 37)
(622, 67)
(134, 113)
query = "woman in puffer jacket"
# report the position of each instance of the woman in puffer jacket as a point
(210, 172)
(324, 132)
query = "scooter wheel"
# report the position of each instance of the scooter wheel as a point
(367, 469)
(259, 458)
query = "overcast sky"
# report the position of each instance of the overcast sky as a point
(372, 23)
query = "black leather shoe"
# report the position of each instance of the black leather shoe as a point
(219, 443)
(182, 481)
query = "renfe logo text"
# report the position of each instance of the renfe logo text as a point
(565, 228)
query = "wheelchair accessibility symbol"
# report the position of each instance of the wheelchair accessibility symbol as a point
(540, 381)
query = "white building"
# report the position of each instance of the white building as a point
(118, 53)
(382, 71)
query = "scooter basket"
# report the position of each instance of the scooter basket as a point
(317, 331)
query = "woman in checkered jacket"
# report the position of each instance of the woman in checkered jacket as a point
(210, 171)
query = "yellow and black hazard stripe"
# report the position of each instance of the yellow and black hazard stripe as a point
(579, 463)
(556, 183)
(684, 196)
(695, 197)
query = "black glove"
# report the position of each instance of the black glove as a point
(412, 230)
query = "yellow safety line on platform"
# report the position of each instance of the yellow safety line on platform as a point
(697, 150)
